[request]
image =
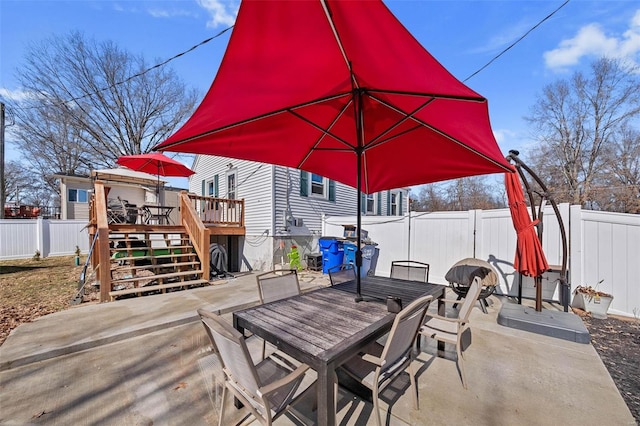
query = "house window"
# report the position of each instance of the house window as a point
(78, 195)
(212, 187)
(394, 204)
(371, 204)
(231, 185)
(318, 185)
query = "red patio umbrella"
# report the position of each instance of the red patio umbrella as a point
(155, 163)
(340, 89)
(529, 259)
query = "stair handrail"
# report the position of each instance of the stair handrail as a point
(198, 233)
(102, 251)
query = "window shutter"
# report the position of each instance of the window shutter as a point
(204, 188)
(216, 186)
(400, 213)
(332, 190)
(379, 204)
(304, 183)
(388, 203)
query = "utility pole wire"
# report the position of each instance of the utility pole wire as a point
(517, 41)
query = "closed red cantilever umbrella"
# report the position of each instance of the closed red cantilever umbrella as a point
(529, 259)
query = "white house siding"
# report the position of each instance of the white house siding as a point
(307, 208)
(254, 185)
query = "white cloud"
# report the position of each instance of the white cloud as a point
(222, 13)
(164, 13)
(503, 135)
(14, 95)
(591, 41)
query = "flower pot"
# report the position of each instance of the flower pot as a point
(595, 304)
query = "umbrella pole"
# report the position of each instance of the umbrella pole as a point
(359, 149)
(358, 232)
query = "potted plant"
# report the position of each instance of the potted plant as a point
(592, 300)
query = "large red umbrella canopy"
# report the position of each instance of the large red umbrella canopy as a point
(340, 89)
(529, 259)
(155, 163)
(343, 90)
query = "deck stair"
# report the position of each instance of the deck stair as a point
(152, 261)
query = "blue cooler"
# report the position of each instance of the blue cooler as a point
(332, 253)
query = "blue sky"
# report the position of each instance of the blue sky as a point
(462, 35)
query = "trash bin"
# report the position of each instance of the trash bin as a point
(332, 253)
(368, 251)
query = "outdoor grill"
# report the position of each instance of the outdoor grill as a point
(461, 275)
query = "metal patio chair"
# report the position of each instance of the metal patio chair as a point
(342, 273)
(268, 388)
(276, 285)
(450, 329)
(380, 364)
(410, 270)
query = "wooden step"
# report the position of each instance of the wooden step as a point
(158, 277)
(161, 287)
(150, 248)
(140, 254)
(128, 267)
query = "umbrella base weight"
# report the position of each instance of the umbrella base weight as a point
(563, 325)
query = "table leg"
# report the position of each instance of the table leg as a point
(325, 388)
(442, 310)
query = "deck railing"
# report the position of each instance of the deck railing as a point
(218, 211)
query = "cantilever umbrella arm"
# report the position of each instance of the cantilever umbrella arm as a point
(545, 195)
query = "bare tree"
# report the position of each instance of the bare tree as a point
(575, 121)
(475, 192)
(20, 184)
(93, 102)
(619, 188)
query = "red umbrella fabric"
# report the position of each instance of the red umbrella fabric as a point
(340, 89)
(529, 259)
(333, 86)
(155, 163)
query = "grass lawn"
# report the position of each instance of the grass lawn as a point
(32, 288)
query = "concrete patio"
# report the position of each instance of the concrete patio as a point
(146, 360)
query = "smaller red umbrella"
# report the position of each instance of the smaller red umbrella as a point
(529, 259)
(155, 163)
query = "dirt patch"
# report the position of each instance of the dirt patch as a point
(617, 341)
(32, 288)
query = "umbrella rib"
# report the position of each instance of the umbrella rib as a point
(479, 99)
(254, 119)
(328, 14)
(374, 142)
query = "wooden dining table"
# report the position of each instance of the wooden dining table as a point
(326, 327)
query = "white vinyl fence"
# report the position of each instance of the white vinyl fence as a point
(601, 246)
(20, 238)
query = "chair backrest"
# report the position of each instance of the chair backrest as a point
(277, 284)
(404, 331)
(470, 299)
(410, 270)
(233, 354)
(342, 273)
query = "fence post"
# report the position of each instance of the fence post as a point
(575, 245)
(40, 236)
